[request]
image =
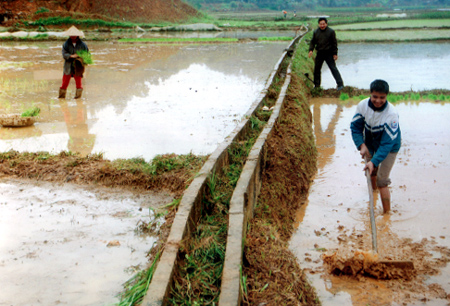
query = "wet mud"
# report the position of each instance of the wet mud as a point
(69, 244)
(333, 241)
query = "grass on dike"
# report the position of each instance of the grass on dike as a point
(395, 24)
(198, 278)
(393, 36)
(170, 40)
(394, 98)
(55, 21)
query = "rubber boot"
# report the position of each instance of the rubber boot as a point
(62, 93)
(78, 93)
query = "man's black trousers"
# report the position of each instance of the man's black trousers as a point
(328, 58)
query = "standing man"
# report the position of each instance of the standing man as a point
(376, 134)
(69, 53)
(324, 41)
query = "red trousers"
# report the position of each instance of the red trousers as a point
(66, 81)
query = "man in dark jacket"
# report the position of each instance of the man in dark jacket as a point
(69, 53)
(324, 41)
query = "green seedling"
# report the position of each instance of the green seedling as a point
(86, 56)
(32, 112)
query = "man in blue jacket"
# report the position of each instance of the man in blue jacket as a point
(376, 133)
(324, 41)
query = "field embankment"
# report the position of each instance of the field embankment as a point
(395, 31)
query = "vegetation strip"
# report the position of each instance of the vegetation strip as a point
(393, 36)
(137, 286)
(165, 172)
(198, 277)
(171, 40)
(435, 96)
(395, 24)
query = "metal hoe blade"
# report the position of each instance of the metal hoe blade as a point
(402, 264)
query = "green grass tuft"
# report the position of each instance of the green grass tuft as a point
(32, 112)
(343, 97)
(137, 286)
(280, 38)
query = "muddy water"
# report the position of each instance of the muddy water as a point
(70, 246)
(138, 100)
(336, 216)
(405, 66)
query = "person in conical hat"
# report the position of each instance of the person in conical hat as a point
(69, 52)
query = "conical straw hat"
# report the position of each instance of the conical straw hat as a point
(73, 31)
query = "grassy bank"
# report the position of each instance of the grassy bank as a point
(396, 24)
(440, 96)
(165, 172)
(394, 35)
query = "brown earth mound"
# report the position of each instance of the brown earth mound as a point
(94, 170)
(148, 11)
(274, 275)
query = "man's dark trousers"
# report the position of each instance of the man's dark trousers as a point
(328, 58)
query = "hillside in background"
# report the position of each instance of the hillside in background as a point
(148, 11)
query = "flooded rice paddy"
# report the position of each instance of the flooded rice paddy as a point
(336, 216)
(405, 66)
(139, 100)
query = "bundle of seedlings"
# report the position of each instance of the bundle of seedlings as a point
(86, 56)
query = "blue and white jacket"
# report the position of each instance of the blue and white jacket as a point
(379, 129)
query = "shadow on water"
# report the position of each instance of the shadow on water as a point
(336, 216)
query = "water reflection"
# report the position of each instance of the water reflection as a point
(80, 140)
(325, 117)
(139, 99)
(405, 66)
(337, 207)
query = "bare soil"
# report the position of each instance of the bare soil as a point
(148, 11)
